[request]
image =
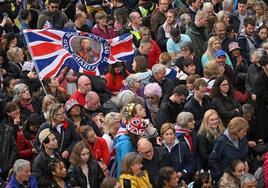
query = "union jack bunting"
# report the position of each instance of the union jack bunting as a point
(52, 50)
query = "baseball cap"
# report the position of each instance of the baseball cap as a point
(43, 135)
(233, 46)
(220, 53)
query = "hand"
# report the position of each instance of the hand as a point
(221, 69)
(177, 68)
(17, 120)
(251, 144)
(34, 150)
(3, 72)
(65, 154)
(4, 21)
(239, 60)
(179, 174)
(253, 97)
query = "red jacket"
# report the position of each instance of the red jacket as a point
(79, 97)
(117, 84)
(24, 146)
(153, 55)
(108, 34)
(100, 151)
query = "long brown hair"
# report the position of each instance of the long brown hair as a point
(75, 157)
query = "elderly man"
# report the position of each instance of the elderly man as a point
(248, 181)
(22, 175)
(159, 76)
(154, 158)
(84, 85)
(135, 24)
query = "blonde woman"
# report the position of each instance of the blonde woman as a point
(231, 145)
(260, 9)
(223, 16)
(47, 102)
(214, 44)
(15, 58)
(111, 125)
(211, 128)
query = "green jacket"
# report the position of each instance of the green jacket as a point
(198, 38)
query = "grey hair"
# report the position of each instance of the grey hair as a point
(260, 52)
(184, 118)
(19, 165)
(17, 91)
(158, 68)
(245, 178)
(207, 5)
(131, 79)
(247, 108)
(152, 89)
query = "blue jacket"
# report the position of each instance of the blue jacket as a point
(181, 158)
(122, 147)
(224, 153)
(14, 184)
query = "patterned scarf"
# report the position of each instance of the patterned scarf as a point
(186, 135)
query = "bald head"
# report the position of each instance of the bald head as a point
(84, 84)
(92, 101)
(145, 148)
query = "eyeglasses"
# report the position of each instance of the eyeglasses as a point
(61, 114)
(223, 85)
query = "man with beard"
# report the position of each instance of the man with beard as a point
(246, 39)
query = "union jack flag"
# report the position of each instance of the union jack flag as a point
(52, 50)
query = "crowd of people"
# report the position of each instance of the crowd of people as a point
(189, 109)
